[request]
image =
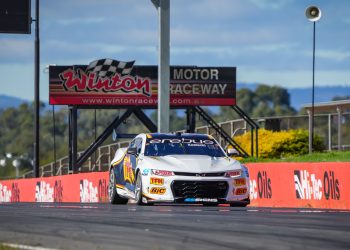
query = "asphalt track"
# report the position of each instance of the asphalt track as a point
(104, 226)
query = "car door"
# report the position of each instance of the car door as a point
(130, 163)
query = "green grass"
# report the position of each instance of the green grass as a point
(2, 247)
(334, 156)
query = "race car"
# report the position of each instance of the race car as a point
(177, 168)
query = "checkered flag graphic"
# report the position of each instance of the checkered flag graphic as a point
(108, 67)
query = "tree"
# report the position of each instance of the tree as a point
(264, 101)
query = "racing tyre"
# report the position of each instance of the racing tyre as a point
(242, 203)
(138, 191)
(113, 196)
(210, 204)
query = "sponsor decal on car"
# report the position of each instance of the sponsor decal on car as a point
(240, 191)
(128, 173)
(157, 181)
(157, 190)
(183, 140)
(145, 171)
(201, 200)
(240, 182)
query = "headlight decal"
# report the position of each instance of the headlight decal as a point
(233, 173)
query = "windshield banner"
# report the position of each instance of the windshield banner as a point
(108, 82)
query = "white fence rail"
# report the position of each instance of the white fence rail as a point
(331, 127)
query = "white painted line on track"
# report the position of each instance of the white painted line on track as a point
(26, 247)
(68, 206)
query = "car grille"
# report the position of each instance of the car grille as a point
(199, 189)
(216, 174)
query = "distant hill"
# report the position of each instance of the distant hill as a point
(300, 96)
(14, 102)
(10, 101)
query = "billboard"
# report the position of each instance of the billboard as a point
(15, 16)
(108, 82)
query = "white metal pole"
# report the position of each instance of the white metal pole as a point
(163, 7)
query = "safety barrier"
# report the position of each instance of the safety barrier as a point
(302, 185)
(298, 185)
(89, 187)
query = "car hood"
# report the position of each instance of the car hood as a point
(191, 163)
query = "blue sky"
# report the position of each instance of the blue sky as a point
(269, 41)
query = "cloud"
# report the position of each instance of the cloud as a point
(278, 47)
(295, 78)
(335, 55)
(17, 79)
(121, 48)
(14, 50)
(70, 21)
(221, 37)
(212, 10)
(205, 50)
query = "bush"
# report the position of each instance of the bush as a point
(281, 144)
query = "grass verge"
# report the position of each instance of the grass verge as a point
(2, 247)
(334, 156)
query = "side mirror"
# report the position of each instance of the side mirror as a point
(132, 151)
(232, 152)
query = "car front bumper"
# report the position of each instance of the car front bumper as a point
(193, 189)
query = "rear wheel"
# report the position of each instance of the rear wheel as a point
(113, 196)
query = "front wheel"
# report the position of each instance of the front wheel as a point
(113, 196)
(138, 189)
(242, 203)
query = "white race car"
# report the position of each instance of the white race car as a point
(177, 168)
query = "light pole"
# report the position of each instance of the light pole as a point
(313, 14)
(163, 7)
(36, 92)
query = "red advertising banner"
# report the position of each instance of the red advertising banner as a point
(295, 185)
(300, 185)
(91, 187)
(108, 82)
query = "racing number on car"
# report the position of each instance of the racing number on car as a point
(128, 171)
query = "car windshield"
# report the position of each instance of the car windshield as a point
(182, 146)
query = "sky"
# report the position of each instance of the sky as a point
(269, 41)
